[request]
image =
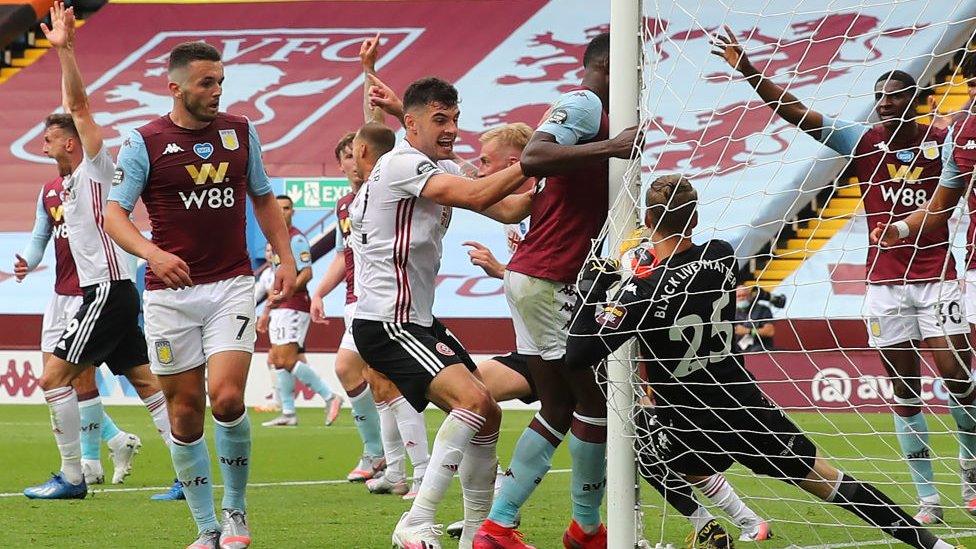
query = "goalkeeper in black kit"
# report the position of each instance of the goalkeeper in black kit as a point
(710, 409)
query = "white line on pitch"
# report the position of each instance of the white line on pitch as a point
(888, 542)
(251, 485)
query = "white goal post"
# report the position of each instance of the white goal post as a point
(625, 66)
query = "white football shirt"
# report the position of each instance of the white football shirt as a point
(97, 257)
(397, 238)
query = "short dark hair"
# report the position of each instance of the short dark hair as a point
(63, 121)
(906, 80)
(346, 141)
(429, 90)
(597, 50)
(188, 52)
(284, 197)
(380, 138)
(968, 64)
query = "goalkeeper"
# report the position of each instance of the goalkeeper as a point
(912, 293)
(710, 409)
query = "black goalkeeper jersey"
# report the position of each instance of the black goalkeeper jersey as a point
(682, 312)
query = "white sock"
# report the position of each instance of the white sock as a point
(452, 440)
(274, 385)
(700, 518)
(413, 433)
(66, 424)
(392, 444)
(156, 404)
(118, 441)
(477, 473)
(943, 545)
(720, 492)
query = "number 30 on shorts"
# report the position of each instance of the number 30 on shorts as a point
(950, 311)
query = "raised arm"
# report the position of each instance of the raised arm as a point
(776, 97)
(368, 52)
(382, 96)
(61, 34)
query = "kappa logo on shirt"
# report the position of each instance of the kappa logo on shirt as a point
(172, 148)
(970, 145)
(117, 177)
(50, 193)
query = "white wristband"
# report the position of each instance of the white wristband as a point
(902, 229)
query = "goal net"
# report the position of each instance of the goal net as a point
(796, 213)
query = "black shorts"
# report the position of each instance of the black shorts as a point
(520, 365)
(106, 329)
(760, 437)
(409, 354)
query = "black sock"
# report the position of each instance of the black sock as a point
(877, 509)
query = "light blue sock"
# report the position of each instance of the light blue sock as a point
(109, 428)
(913, 437)
(192, 463)
(304, 373)
(91, 428)
(965, 416)
(367, 419)
(233, 442)
(588, 449)
(531, 461)
(286, 391)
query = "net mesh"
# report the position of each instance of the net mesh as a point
(795, 214)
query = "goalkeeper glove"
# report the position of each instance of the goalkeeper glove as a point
(598, 273)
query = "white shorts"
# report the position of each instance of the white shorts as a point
(348, 343)
(288, 326)
(970, 293)
(912, 312)
(60, 310)
(541, 312)
(186, 327)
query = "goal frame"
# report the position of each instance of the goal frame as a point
(625, 70)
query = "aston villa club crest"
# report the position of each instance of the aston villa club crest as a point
(930, 150)
(164, 351)
(228, 138)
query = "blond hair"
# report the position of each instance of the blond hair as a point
(515, 135)
(671, 202)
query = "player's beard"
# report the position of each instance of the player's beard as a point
(199, 110)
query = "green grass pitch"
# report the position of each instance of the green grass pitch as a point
(286, 510)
